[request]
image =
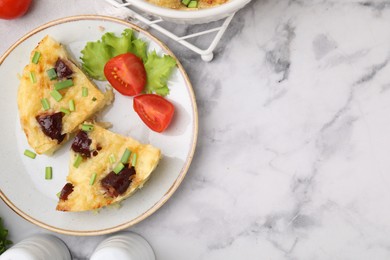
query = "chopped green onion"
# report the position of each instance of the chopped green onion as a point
(185, 2)
(36, 57)
(72, 107)
(45, 104)
(64, 110)
(32, 77)
(63, 84)
(118, 168)
(56, 95)
(77, 161)
(48, 173)
(193, 4)
(30, 154)
(112, 158)
(85, 92)
(125, 156)
(86, 128)
(52, 73)
(134, 161)
(58, 194)
(94, 99)
(93, 178)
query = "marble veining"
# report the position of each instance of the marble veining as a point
(294, 137)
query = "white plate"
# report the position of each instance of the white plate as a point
(23, 186)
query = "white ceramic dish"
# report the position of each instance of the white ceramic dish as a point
(23, 186)
(190, 16)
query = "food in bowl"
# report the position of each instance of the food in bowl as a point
(187, 4)
(184, 15)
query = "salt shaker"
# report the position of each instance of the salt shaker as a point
(124, 246)
(38, 247)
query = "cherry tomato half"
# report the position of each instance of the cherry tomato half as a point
(154, 110)
(126, 73)
(10, 9)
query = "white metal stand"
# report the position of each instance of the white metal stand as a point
(206, 54)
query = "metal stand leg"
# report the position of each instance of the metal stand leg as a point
(206, 54)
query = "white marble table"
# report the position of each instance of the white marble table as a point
(293, 157)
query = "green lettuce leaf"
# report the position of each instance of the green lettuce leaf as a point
(158, 68)
(139, 48)
(95, 56)
(119, 45)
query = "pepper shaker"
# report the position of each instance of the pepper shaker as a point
(38, 247)
(124, 246)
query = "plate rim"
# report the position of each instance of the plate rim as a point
(188, 160)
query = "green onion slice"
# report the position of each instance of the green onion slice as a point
(118, 168)
(64, 110)
(125, 156)
(30, 154)
(52, 73)
(93, 178)
(112, 158)
(77, 161)
(185, 2)
(63, 84)
(48, 173)
(45, 104)
(134, 161)
(32, 77)
(193, 4)
(36, 57)
(56, 95)
(86, 127)
(58, 194)
(72, 106)
(84, 92)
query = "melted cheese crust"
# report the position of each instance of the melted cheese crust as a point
(88, 197)
(176, 4)
(30, 95)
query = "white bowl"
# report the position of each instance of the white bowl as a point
(191, 16)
